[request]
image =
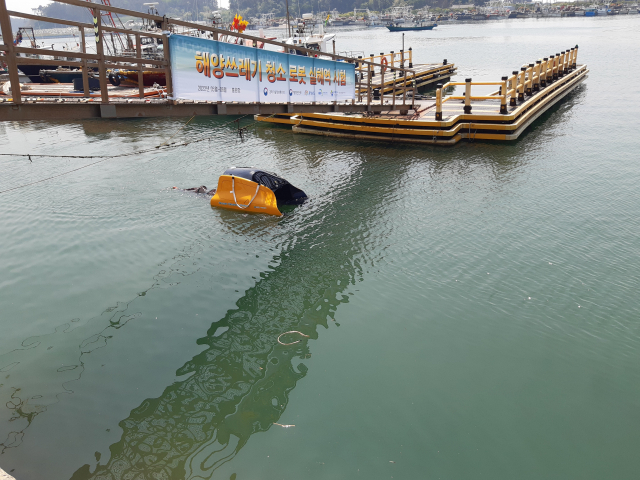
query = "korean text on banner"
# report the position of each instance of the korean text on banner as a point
(217, 71)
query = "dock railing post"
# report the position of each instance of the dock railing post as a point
(411, 59)
(503, 96)
(10, 55)
(556, 62)
(575, 57)
(467, 95)
(561, 64)
(521, 84)
(369, 87)
(393, 90)
(543, 73)
(85, 73)
(404, 88)
(550, 70)
(372, 70)
(514, 88)
(140, 74)
(392, 56)
(382, 69)
(102, 71)
(536, 76)
(402, 62)
(167, 57)
(565, 65)
(530, 80)
(439, 102)
(570, 62)
(413, 92)
(359, 78)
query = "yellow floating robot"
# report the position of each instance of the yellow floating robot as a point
(251, 190)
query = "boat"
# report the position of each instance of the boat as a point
(61, 75)
(129, 78)
(26, 34)
(410, 28)
(591, 12)
(251, 190)
(306, 38)
(463, 16)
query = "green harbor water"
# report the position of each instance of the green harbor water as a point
(472, 311)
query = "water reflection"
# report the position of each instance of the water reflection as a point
(241, 383)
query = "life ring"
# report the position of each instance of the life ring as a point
(114, 79)
(384, 62)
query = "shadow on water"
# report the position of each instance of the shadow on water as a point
(240, 384)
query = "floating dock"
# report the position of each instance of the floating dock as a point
(387, 79)
(502, 115)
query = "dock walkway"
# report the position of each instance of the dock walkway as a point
(502, 115)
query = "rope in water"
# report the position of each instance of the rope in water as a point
(291, 331)
(160, 147)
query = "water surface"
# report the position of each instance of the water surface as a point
(471, 311)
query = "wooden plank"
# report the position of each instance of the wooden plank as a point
(55, 53)
(85, 73)
(42, 61)
(140, 74)
(7, 38)
(102, 71)
(42, 18)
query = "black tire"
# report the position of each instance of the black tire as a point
(114, 79)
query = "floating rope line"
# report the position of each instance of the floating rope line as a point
(291, 331)
(177, 131)
(162, 146)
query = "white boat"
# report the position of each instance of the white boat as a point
(305, 37)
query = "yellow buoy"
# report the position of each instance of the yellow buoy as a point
(255, 191)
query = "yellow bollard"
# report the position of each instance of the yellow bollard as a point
(439, 102)
(521, 84)
(514, 88)
(372, 70)
(467, 95)
(410, 58)
(550, 76)
(392, 56)
(556, 63)
(543, 72)
(530, 80)
(503, 96)
(575, 57)
(536, 76)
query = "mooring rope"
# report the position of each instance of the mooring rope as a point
(161, 147)
(233, 190)
(291, 331)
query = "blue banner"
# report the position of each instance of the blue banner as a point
(218, 71)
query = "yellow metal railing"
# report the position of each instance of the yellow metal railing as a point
(531, 78)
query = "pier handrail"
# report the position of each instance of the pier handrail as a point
(529, 80)
(9, 52)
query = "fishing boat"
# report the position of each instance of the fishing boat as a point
(463, 16)
(305, 37)
(61, 75)
(420, 25)
(129, 78)
(251, 190)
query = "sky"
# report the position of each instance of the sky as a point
(25, 6)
